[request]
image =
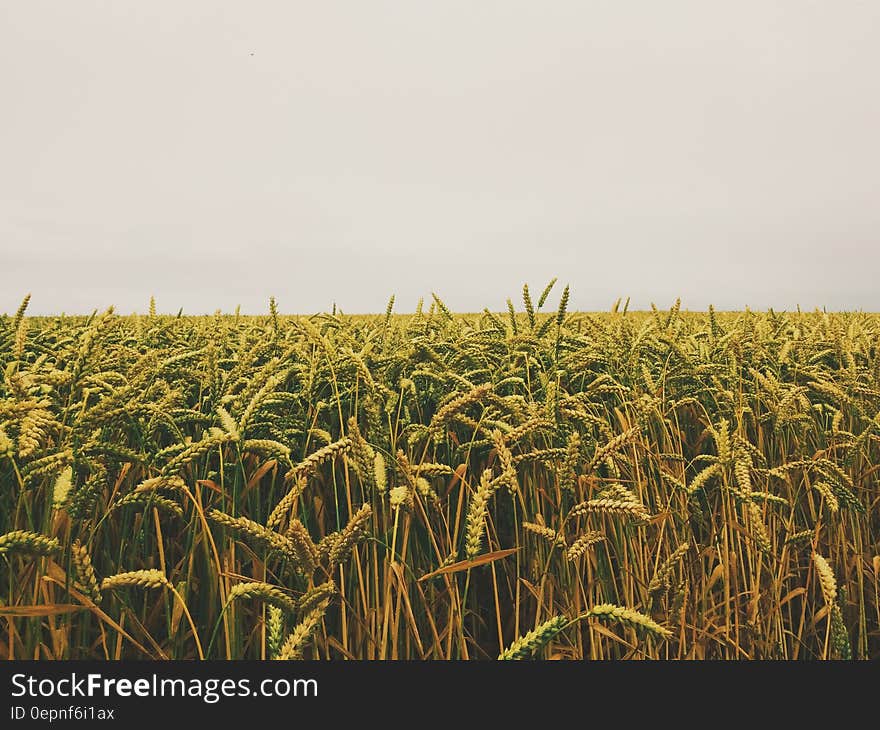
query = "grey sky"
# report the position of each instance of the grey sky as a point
(216, 153)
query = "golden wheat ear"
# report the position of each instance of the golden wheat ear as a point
(138, 578)
(85, 573)
(294, 645)
(630, 617)
(269, 594)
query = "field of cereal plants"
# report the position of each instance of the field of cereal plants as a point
(532, 484)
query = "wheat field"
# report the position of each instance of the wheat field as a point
(534, 484)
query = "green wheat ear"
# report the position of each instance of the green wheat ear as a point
(527, 303)
(546, 292)
(528, 644)
(26, 542)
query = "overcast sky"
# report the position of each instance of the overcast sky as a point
(216, 153)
